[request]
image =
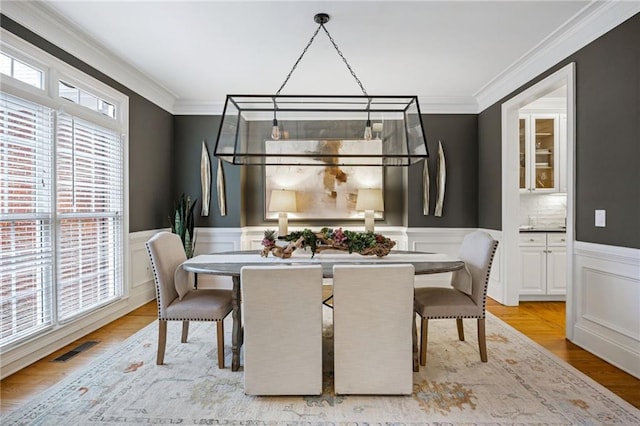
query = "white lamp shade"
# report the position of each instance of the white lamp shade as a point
(370, 199)
(282, 201)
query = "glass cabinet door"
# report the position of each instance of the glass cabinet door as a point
(538, 154)
(523, 155)
(544, 147)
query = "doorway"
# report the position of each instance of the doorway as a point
(511, 183)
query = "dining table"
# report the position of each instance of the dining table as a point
(230, 264)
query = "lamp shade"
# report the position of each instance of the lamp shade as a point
(370, 199)
(282, 200)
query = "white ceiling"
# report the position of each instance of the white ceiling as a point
(200, 51)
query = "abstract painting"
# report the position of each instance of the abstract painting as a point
(328, 190)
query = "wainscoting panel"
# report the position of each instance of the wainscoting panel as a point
(608, 303)
(140, 267)
(215, 240)
(435, 240)
(252, 236)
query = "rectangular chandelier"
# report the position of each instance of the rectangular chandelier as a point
(321, 130)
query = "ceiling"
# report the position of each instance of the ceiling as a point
(200, 51)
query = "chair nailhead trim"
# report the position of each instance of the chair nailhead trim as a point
(484, 295)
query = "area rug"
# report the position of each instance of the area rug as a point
(522, 384)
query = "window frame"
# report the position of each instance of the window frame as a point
(55, 70)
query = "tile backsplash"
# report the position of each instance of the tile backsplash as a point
(543, 210)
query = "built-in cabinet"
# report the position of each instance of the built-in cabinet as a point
(542, 152)
(543, 258)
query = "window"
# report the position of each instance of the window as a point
(21, 71)
(62, 199)
(26, 254)
(79, 96)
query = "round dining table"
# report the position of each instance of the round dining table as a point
(231, 263)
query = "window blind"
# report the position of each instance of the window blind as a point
(26, 190)
(89, 197)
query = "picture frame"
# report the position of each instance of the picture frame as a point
(324, 191)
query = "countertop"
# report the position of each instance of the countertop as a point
(541, 229)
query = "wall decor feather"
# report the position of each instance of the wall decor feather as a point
(220, 186)
(205, 179)
(441, 172)
(425, 187)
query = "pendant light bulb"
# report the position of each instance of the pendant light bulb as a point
(275, 130)
(367, 131)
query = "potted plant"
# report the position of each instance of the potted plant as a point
(182, 223)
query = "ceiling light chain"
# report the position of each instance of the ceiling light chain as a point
(321, 130)
(321, 19)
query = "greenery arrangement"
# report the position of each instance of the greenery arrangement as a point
(365, 243)
(182, 223)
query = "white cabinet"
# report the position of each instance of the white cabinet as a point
(540, 153)
(543, 259)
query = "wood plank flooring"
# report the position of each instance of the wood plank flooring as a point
(543, 322)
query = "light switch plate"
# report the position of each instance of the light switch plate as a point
(601, 218)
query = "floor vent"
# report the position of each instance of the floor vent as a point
(73, 352)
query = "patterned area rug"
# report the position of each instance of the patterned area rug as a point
(521, 384)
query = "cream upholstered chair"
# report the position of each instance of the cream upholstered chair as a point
(477, 251)
(282, 329)
(177, 300)
(373, 329)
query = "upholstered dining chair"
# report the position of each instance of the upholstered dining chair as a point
(282, 329)
(373, 329)
(176, 298)
(461, 300)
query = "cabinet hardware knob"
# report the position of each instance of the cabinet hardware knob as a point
(531, 239)
(561, 239)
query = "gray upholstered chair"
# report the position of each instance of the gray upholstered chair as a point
(460, 300)
(177, 300)
(282, 329)
(373, 329)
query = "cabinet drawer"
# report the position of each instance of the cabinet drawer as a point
(557, 240)
(533, 239)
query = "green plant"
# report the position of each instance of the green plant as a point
(182, 223)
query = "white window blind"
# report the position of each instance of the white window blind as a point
(89, 197)
(26, 256)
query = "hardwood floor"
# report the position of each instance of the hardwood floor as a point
(543, 322)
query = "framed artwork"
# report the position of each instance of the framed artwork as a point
(325, 191)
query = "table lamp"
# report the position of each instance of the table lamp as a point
(369, 200)
(282, 201)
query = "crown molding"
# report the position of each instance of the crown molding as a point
(428, 105)
(185, 107)
(594, 20)
(50, 25)
(448, 105)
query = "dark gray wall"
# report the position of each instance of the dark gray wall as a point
(150, 133)
(607, 139)
(459, 136)
(245, 185)
(490, 164)
(189, 132)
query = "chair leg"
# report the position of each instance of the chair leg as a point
(482, 340)
(185, 331)
(162, 341)
(424, 326)
(460, 329)
(220, 335)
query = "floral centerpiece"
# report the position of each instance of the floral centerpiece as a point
(364, 243)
